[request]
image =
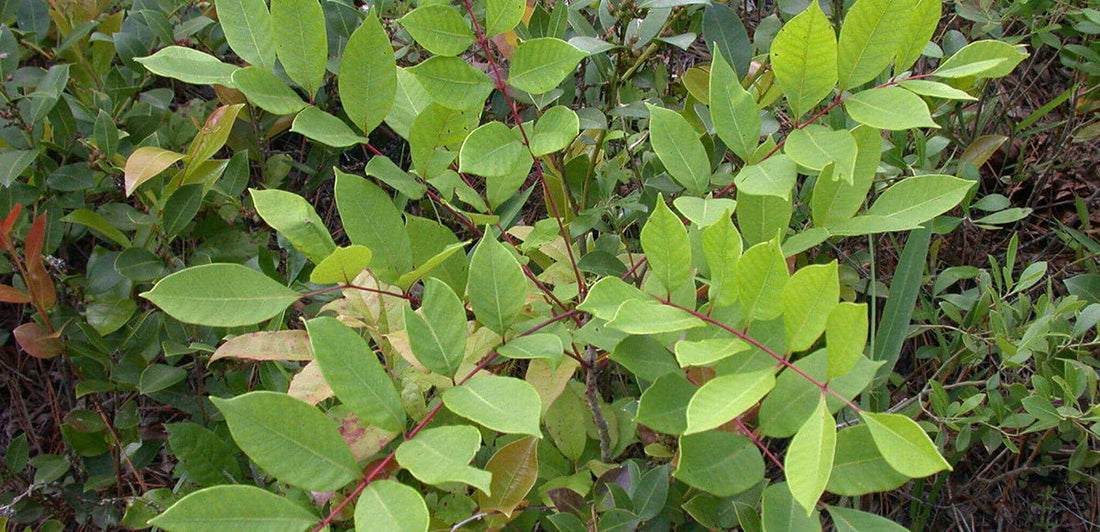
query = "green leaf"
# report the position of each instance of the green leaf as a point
(719, 463)
(859, 467)
(726, 37)
(678, 146)
(138, 264)
(733, 110)
(804, 58)
(515, 469)
(440, 29)
(143, 164)
(452, 82)
(761, 274)
(904, 445)
(247, 28)
(207, 458)
(920, 26)
(809, 458)
(438, 338)
(792, 401)
(370, 219)
(390, 506)
(386, 171)
(14, 162)
(816, 147)
(808, 298)
(667, 249)
(775, 176)
(502, 16)
(554, 130)
(267, 91)
(761, 217)
(539, 65)
(491, 150)
(234, 507)
(409, 100)
(342, 266)
(723, 398)
(540, 345)
(293, 217)
(92, 220)
(780, 513)
(849, 520)
(707, 352)
(705, 211)
(429, 265)
(650, 317)
(497, 287)
(368, 75)
(870, 38)
(907, 204)
(504, 404)
(355, 375)
(891, 108)
(189, 66)
(443, 454)
(663, 406)
(835, 200)
(301, 41)
(290, 439)
(645, 357)
(606, 295)
(220, 295)
(105, 134)
(983, 59)
(722, 249)
(327, 129)
(433, 239)
(845, 337)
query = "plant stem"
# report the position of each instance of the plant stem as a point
(592, 394)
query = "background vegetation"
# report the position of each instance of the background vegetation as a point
(126, 158)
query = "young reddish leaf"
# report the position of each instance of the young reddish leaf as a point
(515, 468)
(10, 294)
(12, 217)
(36, 341)
(40, 285)
(32, 246)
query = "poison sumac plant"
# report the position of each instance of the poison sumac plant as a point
(457, 382)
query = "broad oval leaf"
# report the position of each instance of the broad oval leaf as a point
(452, 82)
(368, 75)
(532, 346)
(708, 352)
(904, 445)
(725, 35)
(809, 458)
(266, 345)
(355, 374)
(870, 37)
(234, 507)
(439, 28)
(804, 58)
(343, 265)
(502, 16)
(920, 26)
(808, 298)
(859, 467)
(774, 176)
(554, 130)
(496, 286)
(989, 59)
(491, 150)
(667, 249)
(292, 440)
(267, 91)
(294, 218)
(539, 65)
(663, 406)
(390, 506)
(189, 66)
(438, 339)
(845, 336)
(650, 317)
(722, 249)
(220, 295)
(817, 146)
(719, 463)
(760, 274)
(370, 219)
(504, 404)
(443, 454)
(724, 398)
(146, 163)
(780, 513)
(891, 108)
(301, 41)
(325, 128)
(733, 110)
(247, 28)
(850, 520)
(515, 469)
(678, 146)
